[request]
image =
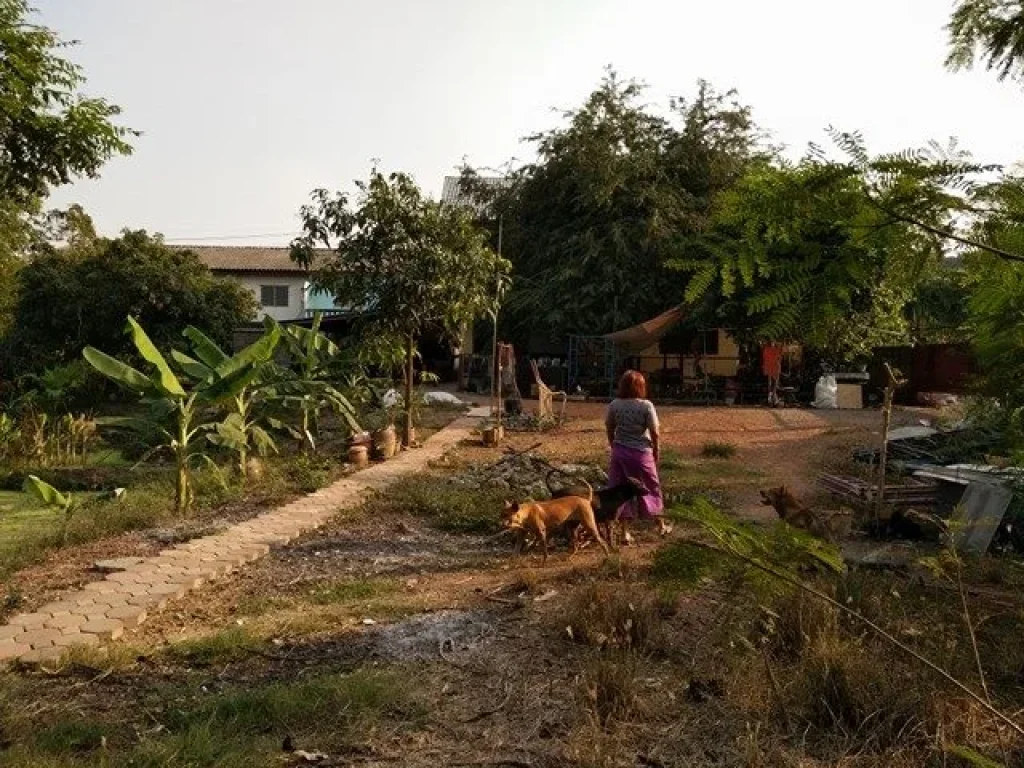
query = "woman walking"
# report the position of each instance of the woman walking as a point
(633, 435)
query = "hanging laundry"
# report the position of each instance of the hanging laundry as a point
(771, 360)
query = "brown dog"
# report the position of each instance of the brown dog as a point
(541, 517)
(606, 503)
(792, 512)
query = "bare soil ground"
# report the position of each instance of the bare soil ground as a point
(404, 644)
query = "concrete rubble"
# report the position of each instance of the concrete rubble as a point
(524, 474)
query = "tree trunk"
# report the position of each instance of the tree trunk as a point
(181, 489)
(410, 352)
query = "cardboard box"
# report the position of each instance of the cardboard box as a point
(850, 395)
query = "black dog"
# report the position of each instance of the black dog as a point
(606, 504)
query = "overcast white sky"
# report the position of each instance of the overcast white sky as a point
(247, 105)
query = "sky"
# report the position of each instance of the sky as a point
(246, 106)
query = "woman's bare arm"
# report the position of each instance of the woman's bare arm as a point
(609, 426)
(654, 429)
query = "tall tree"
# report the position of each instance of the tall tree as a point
(415, 265)
(989, 31)
(591, 225)
(49, 133)
(830, 251)
(79, 296)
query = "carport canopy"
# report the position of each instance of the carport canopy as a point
(648, 333)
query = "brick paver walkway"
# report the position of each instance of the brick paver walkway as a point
(102, 610)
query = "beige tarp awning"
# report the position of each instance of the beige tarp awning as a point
(649, 333)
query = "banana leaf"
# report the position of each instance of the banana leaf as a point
(166, 381)
(46, 493)
(120, 373)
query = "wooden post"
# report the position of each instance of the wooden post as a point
(410, 352)
(892, 382)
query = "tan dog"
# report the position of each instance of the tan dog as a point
(792, 512)
(540, 517)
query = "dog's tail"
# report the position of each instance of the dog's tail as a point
(590, 490)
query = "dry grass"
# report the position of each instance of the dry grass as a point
(616, 617)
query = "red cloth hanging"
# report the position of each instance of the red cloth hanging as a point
(771, 360)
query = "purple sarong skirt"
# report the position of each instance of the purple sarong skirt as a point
(638, 464)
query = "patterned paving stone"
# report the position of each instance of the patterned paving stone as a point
(129, 615)
(40, 638)
(42, 655)
(79, 639)
(133, 588)
(10, 631)
(104, 628)
(10, 650)
(66, 621)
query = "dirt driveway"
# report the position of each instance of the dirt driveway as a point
(781, 446)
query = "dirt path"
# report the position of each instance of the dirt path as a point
(781, 446)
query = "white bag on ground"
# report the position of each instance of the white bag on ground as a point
(826, 393)
(439, 397)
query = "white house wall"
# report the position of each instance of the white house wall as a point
(296, 294)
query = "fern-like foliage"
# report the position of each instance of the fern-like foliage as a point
(990, 32)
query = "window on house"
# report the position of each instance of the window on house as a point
(274, 295)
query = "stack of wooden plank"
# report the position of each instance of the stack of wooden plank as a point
(861, 492)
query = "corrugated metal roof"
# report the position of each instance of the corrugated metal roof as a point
(452, 192)
(245, 258)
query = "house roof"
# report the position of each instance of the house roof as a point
(453, 193)
(245, 258)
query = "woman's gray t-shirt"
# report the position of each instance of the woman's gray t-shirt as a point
(633, 421)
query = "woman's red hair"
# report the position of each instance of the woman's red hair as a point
(632, 386)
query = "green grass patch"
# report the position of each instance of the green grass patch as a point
(684, 564)
(70, 738)
(259, 605)
(332, 593)
(716, 450)
(185, 727)
(445, 504)
(229, 645)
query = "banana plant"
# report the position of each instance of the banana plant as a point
(50, 497)
(308, 384)
(176, 414)
(240, 430)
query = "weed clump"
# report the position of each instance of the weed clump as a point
(716, 450)
(611, 617)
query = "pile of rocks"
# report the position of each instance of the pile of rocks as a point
(526, 475)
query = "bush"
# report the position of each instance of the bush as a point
(75, 298)
(685, 564)
(309, 473)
